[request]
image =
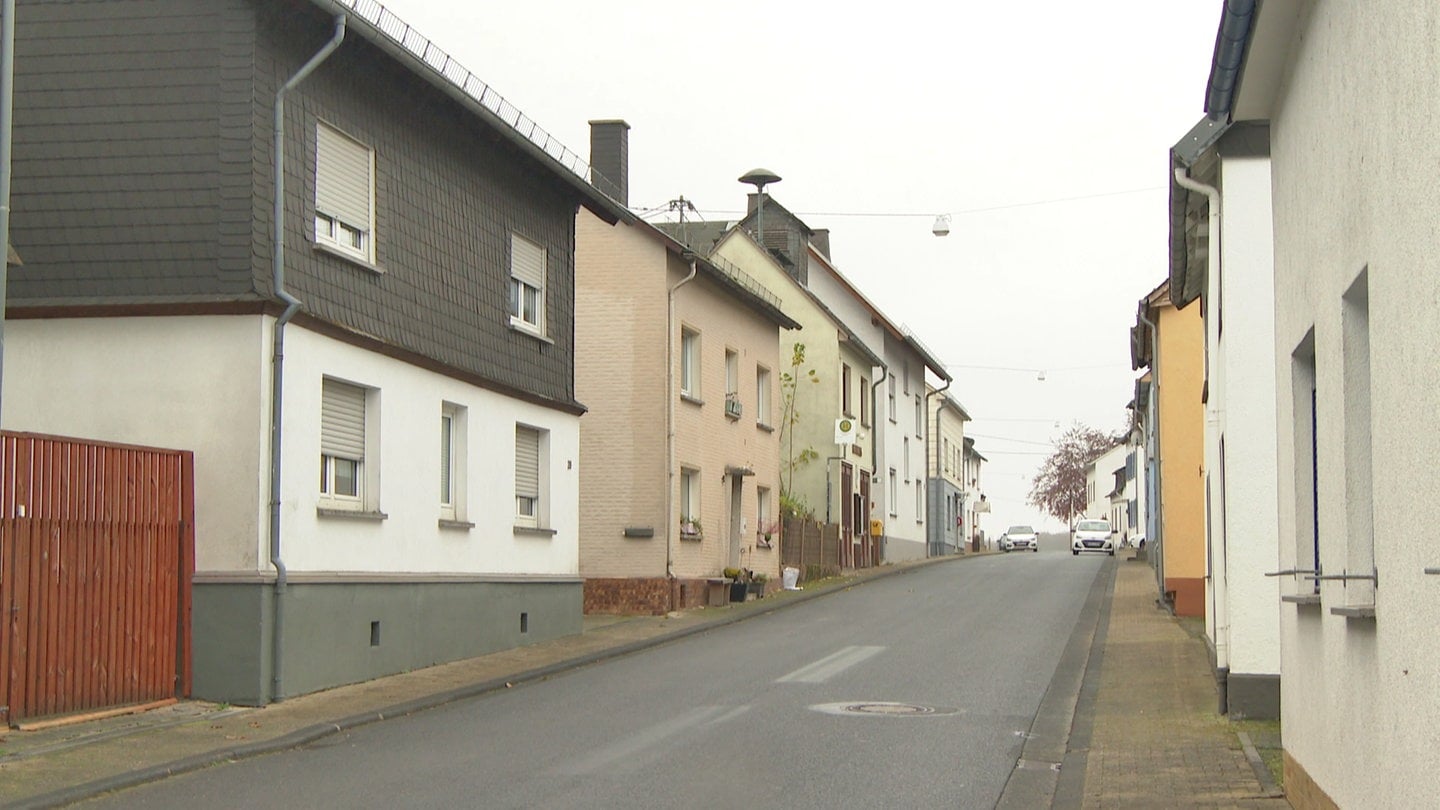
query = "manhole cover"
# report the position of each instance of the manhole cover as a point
(881, 708)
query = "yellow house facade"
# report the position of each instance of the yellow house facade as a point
(1179, 369)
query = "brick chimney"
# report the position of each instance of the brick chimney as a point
(610, 158)
(820, 238)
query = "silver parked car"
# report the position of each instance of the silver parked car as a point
(1019, 538)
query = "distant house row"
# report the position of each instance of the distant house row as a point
(1289, 400)
(444, 391)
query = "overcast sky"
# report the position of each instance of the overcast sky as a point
(1042, 128)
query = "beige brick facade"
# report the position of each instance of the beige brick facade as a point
(623, 282)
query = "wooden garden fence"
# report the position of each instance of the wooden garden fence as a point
(96, 558)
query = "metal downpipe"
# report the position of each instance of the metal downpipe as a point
(670, 394)
(277, 363)
(938, 461)
(1156, 504)
(1215, 474)
(880, 379)
(7, 128)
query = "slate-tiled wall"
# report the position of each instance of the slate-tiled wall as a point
(143, 174)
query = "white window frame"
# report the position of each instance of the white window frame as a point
(763, 519)
(1357, 450)
(529, 269)
(762, 396)
(894, 491)
(906, 466)
(919, 501)
(531, 504)
(453, 442)
(689, 362)
(344, 222)
(864, 402)
(919, 416)
(733, 406)
(892, 414)
(689, 500)
(344, 443)
(845, 390)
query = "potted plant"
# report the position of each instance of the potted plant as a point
(767, 531)
(739, 583)
(691, 529)
(757, 585)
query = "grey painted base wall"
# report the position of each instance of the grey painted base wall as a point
(1253, 697)
(346, 632)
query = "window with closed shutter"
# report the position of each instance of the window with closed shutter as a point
(527, 475)
(343, 192)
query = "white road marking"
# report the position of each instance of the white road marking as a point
(831, 665)
(605, 758)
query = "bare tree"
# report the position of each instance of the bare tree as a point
(1059, 487)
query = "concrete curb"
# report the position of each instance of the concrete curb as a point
(318, 731)
(1037, 777)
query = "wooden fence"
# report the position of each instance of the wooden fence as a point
(96, 558)
(813, 548)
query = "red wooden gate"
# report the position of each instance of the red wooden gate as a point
(96, 557)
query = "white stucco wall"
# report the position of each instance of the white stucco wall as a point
(409, 540)
(202, 384)
(1246, 397)
(1353, 136)
(184, 383)
(1101, 474)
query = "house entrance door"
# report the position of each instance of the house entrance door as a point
(861, 540)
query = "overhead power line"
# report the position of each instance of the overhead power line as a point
(960, 212)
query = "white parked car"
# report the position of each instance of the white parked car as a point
(1092, 535)
(1019, 538)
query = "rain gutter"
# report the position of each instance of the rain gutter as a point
(277, 364)
(1236, 22)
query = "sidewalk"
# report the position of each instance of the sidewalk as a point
(1154, 740)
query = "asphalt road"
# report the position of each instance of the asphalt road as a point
(910, 691)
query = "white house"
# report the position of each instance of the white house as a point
(1350, 95)
(1221, 255)
(381, 409)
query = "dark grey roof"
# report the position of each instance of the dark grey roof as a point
(1232, 40)
(702, 237)
(727, 275)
